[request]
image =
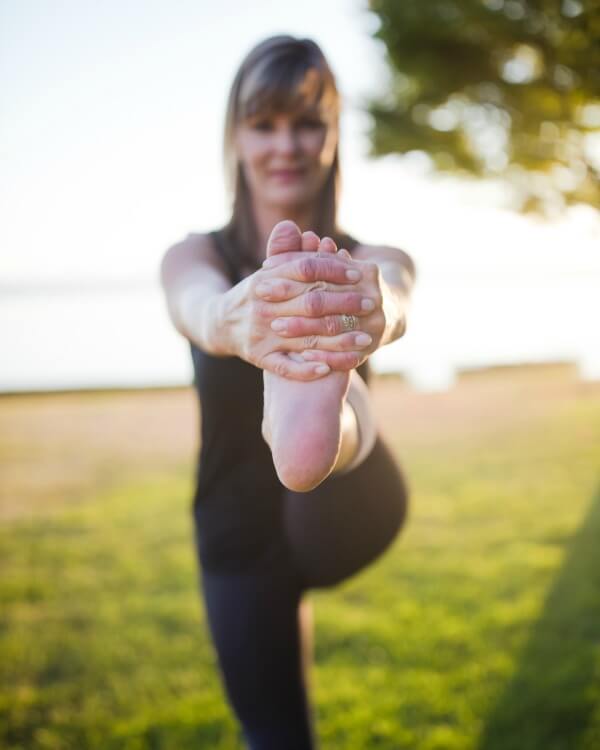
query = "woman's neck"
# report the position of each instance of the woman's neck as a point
(267, 216)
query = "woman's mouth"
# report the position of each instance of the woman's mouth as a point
(286, 175)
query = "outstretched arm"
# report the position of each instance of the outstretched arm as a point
(194, 282)
(226, 320)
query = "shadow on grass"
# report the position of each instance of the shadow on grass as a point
(550, 702)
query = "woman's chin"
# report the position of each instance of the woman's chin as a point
(290, 196)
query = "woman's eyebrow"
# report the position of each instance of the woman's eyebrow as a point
(313, 112)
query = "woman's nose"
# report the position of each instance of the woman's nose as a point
(286, 140)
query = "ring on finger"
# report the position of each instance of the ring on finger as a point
(349, 322)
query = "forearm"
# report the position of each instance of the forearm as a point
(201, 318)
(397, 280)
(195, 289)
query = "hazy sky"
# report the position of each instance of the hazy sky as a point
(112, 116)
(110, 151)
(111, 134)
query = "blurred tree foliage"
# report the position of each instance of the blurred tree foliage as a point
(501, 88)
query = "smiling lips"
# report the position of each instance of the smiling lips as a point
(286, 175)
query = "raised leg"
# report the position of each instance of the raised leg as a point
(359, 427)
(348, 521)
(302, 420)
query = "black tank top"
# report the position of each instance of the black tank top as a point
(235, 474)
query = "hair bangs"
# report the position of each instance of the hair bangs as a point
(285, 85)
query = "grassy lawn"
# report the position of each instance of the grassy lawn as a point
(479, 628)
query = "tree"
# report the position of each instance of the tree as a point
(496, 88)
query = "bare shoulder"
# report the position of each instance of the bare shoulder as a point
(376, 253)
(195, 247)
(193, 252)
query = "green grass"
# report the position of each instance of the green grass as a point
(480, 627)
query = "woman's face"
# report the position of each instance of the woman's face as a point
(286, 157)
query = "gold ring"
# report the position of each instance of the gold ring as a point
(349, 322)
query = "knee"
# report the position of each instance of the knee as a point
(391, 485)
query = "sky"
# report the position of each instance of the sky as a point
(111, 119)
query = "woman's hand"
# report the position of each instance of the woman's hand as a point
(309, 287)
(318, 331)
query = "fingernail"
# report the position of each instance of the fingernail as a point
(367, 304)
(264, 289)
(322, 369)
(353, 275)
(278, 325)
(363, 339)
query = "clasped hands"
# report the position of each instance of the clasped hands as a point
(299, 308)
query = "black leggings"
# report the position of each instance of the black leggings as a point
(326, 536)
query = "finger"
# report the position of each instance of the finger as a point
(292, 367)
(310, 241)
(276, 260)
(345, 342)
(327, 325)
(327, 245)
(336, 360)
(276, 289)
(314, 267)
(318, 303)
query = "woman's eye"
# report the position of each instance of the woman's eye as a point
(311, 124)
(263, 125)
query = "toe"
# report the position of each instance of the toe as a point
(327, 245)
(284, 237)
(310, 241)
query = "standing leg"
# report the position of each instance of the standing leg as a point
(306, 620)
(254, 620)
(307, 625)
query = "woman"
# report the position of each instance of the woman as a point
(278, 321)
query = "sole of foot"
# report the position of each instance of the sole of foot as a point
(302, 420)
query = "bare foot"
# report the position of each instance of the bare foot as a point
(302, 420)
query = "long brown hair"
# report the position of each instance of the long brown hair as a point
(280, 74)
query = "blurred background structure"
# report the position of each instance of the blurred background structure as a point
(111, 151)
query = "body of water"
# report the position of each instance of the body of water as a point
(98, 337)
